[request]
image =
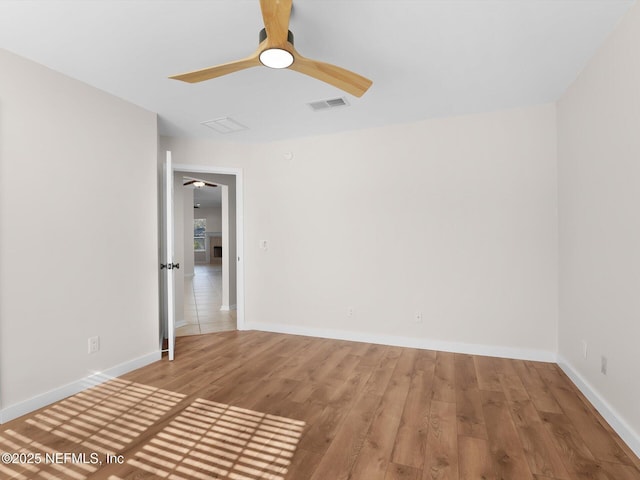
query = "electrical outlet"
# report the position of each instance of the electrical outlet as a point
(585, 348)
(94, 344)
(603, 365)
(418, 317)
(264, 245)
(351, 312)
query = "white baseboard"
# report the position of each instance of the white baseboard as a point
(180, 323)
(411, 342)
(226, 308)
(617, 422)
(34, 403)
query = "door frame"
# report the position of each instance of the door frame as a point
(237, 172)
(169, 235)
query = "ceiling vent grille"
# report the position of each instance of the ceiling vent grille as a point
(328, 104)
(225, 125)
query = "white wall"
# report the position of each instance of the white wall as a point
(455, 218)
(88, 266)
(188, 253)
(599, 184)
(213, 215)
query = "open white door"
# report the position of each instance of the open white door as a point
(169, 266)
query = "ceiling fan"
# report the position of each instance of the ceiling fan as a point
(199, 184)
(276, 51)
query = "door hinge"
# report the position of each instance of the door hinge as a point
(169, 266)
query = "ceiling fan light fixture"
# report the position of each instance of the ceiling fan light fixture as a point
(198, 184)
(276, 50)
(276, 58)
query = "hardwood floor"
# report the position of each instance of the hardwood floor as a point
(255, 405)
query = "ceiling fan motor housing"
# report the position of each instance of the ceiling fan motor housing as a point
(263, 36)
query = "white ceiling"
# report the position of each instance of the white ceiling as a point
(426, 58)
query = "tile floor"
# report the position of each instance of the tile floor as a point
(202, 301)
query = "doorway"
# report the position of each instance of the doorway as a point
(207, 207)
(209, 288)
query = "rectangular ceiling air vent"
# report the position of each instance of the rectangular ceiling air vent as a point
(327, 104)
(225, 125)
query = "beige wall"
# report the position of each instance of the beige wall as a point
(86, 161)
(455, 218)
(599, 184)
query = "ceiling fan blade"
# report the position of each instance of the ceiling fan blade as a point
(276, 14)
(343, 79)
(191, 182)
(219, 70)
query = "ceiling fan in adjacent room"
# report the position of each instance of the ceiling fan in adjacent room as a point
(199, 184)
(276, 51)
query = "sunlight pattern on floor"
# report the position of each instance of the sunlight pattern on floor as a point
(109, 416)
(11, 441)
(210, 440)
(103, 419)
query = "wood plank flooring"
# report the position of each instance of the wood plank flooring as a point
(256, 405)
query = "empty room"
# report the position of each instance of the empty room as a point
(320, 239)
